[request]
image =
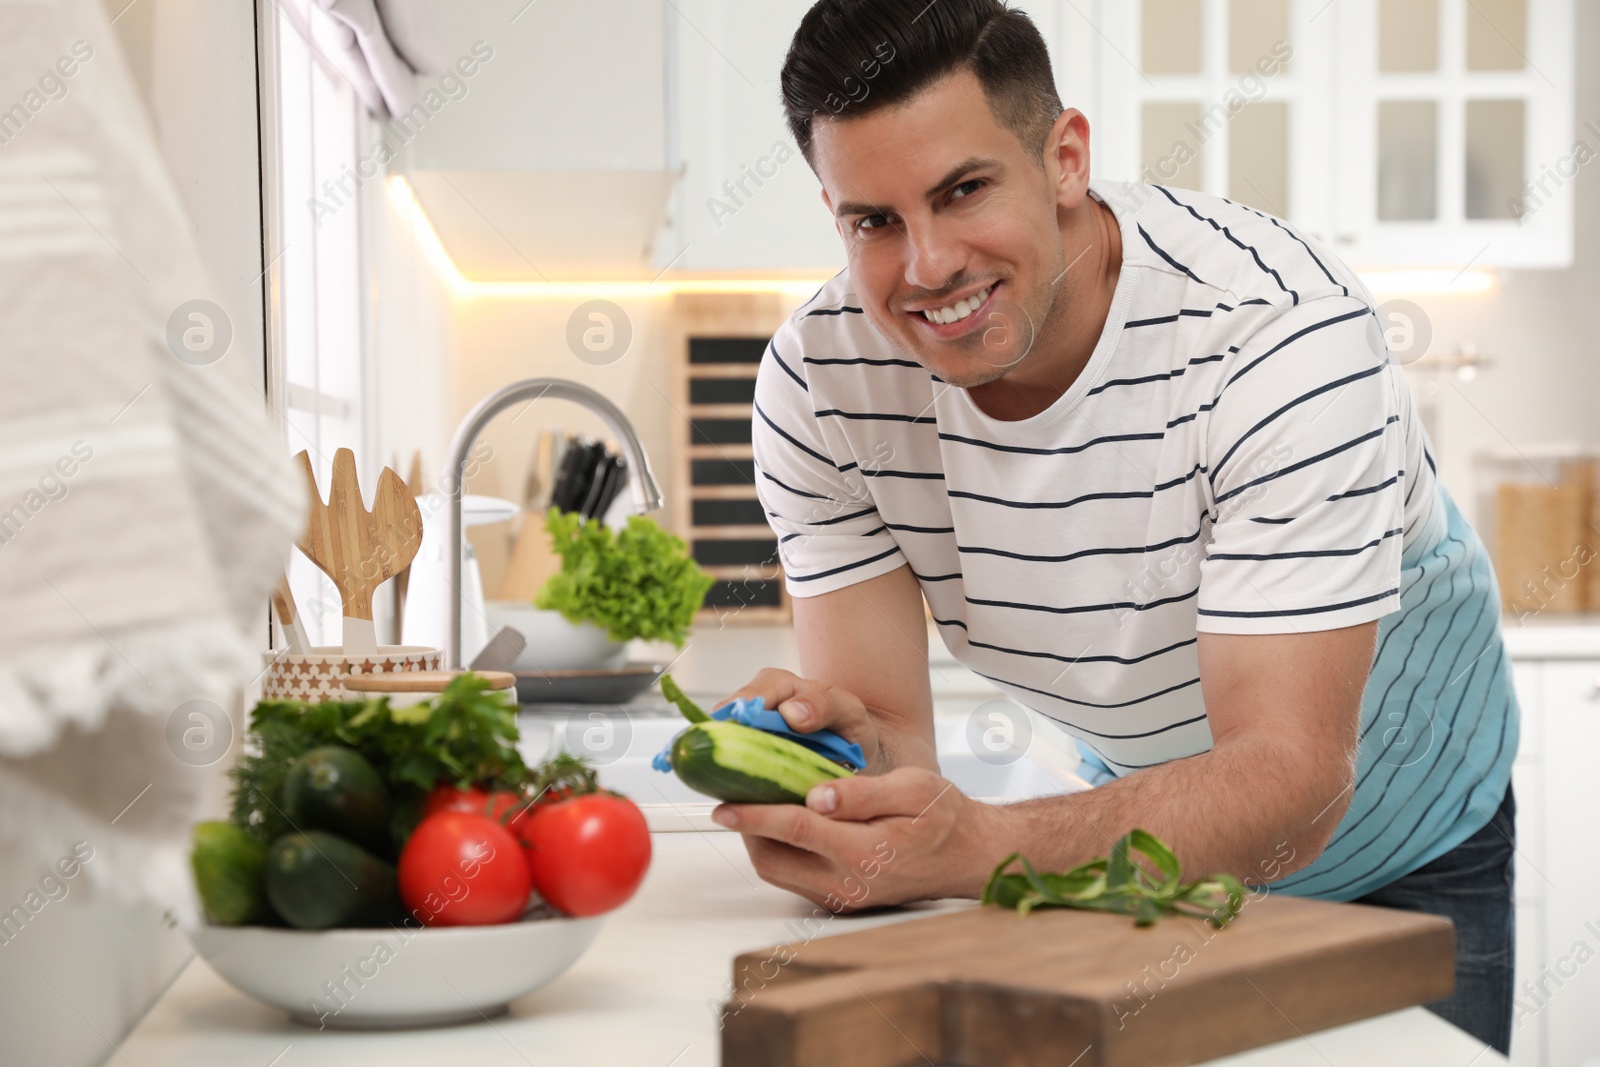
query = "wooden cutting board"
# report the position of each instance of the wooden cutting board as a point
(988, 988)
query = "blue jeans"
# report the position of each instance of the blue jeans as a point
(1471, 886)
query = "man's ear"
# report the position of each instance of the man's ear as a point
(1067, 157)
(827, 202)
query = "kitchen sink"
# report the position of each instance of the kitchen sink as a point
(621, 741)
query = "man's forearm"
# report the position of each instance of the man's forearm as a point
(1207, 807)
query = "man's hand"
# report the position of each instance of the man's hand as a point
(870, 641)
(808, 706)
(1284, 713)
(872, 841)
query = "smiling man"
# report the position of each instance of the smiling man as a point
(1143, 454)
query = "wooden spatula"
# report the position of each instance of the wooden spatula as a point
(402, 580)
(357, 548)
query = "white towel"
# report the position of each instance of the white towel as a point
(146, 502)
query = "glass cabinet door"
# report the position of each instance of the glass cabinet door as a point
(1232, 97)
(1454, 118)
(1404, 133)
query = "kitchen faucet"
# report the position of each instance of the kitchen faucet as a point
(640, 479)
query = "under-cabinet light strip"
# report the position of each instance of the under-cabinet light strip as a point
(427, 238)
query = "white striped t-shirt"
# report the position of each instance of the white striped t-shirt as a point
(1239, 456)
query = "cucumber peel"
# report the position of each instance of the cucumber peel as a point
(691, 711)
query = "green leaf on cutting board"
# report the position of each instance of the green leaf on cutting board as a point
(1116, 883)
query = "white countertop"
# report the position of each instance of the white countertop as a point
(1553, 637)
(644, 995)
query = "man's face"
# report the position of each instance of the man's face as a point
(943, 210)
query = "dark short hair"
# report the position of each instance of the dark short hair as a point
(851, 57)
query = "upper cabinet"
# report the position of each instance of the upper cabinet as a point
(1227, 96)
(1402, 132)
(747, 200)
(1457, 121)
(542, 152)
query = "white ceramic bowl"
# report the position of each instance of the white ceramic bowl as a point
(553, 643)
(391, 977)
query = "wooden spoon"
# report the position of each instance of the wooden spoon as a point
(359, 549)
(293, 632)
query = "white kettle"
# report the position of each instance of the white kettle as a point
(427, 593)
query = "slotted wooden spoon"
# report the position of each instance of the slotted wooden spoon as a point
(359, 549)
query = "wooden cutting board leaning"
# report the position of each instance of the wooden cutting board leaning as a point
(985, 987)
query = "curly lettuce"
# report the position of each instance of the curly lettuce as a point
(638, 582)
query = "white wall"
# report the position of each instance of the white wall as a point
(497, 341)
(410, 322)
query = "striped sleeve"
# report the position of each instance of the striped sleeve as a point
(809, 483)
(1305, 452)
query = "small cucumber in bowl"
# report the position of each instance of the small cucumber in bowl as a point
(227, 865)
(334, 788)
(317, 881)
(742, 765)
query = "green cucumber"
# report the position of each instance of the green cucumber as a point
(743, 765)
(334, 788)
(317, 881)
(227, 866)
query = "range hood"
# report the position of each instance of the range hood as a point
(537, 225)
(546, 152)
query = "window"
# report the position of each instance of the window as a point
(317, 317)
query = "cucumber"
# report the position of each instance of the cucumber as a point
(335, 789)
(228, 864)
(316, 881)
(743, 765)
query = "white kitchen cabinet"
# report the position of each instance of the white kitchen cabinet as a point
(1558, 862)
(1233, 97)
(1403, 133)
(1569, 978)
(1447, 109)
(747, 200)
(1410, 133)
(1532, 897)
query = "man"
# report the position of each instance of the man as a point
(1144, 455)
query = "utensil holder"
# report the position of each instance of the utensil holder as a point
(314, 676)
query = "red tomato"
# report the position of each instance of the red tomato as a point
(452, 798)
(463, 869)
(588, 854)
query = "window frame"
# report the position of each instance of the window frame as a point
(330, 406)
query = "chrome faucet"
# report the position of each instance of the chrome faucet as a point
(640, 479)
